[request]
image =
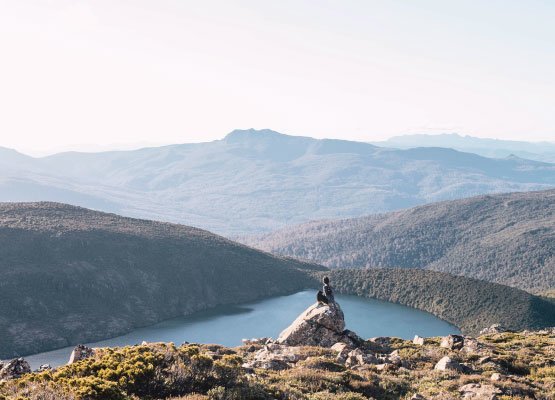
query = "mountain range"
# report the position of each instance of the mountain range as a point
(504, 238)
(497, 148)
(258, 181)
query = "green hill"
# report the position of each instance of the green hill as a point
(470, 304)
(505, 238)
(71, 275)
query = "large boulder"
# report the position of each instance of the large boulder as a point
(342, 350)
(14, 369)
(452, 342)
(447, 364)
(319, 325)
(418, 340)
(478, 391)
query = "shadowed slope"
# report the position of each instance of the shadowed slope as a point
(72, 275)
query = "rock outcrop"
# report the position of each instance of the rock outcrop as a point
(276, 357)
(44, 367)
(479, 392)
(80, 352)
(452, 342)
(14, 369)
(319, 325)
(418, 340)
(495, 328)
(447, 364)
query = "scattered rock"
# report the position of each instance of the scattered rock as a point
(342, 351)
(446, 363)
(387, 367)
(417, 397)
(339, 347)
(358, 357)
(276, 357)
(418, 340)
(274, 365)
(80, 352)
(473, 346)
(496, 328)
(452, 342)
(496, 376)
(14, 369)
(479, 392)
(395, 359)
(319, 325)
(45, 367)
(256, 341)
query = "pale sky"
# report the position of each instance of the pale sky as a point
(101, 74)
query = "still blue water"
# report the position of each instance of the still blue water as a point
(227, 325)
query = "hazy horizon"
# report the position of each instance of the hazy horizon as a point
(130, 146)
(97, 75)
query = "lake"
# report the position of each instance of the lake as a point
(227, 325)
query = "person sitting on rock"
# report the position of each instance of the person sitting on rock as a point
(325, 296)
(328, 291)
(321, 298)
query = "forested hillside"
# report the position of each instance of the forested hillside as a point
(70, 275)
(470, 304)
(505, 238)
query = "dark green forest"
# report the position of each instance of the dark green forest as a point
(470, 304)
(505, 238)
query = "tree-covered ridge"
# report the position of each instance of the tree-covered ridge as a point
(505, 238)
(71, 275)
(470, 304)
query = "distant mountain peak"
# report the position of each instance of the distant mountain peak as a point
(241, 134)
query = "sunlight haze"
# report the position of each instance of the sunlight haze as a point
(96, 75)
